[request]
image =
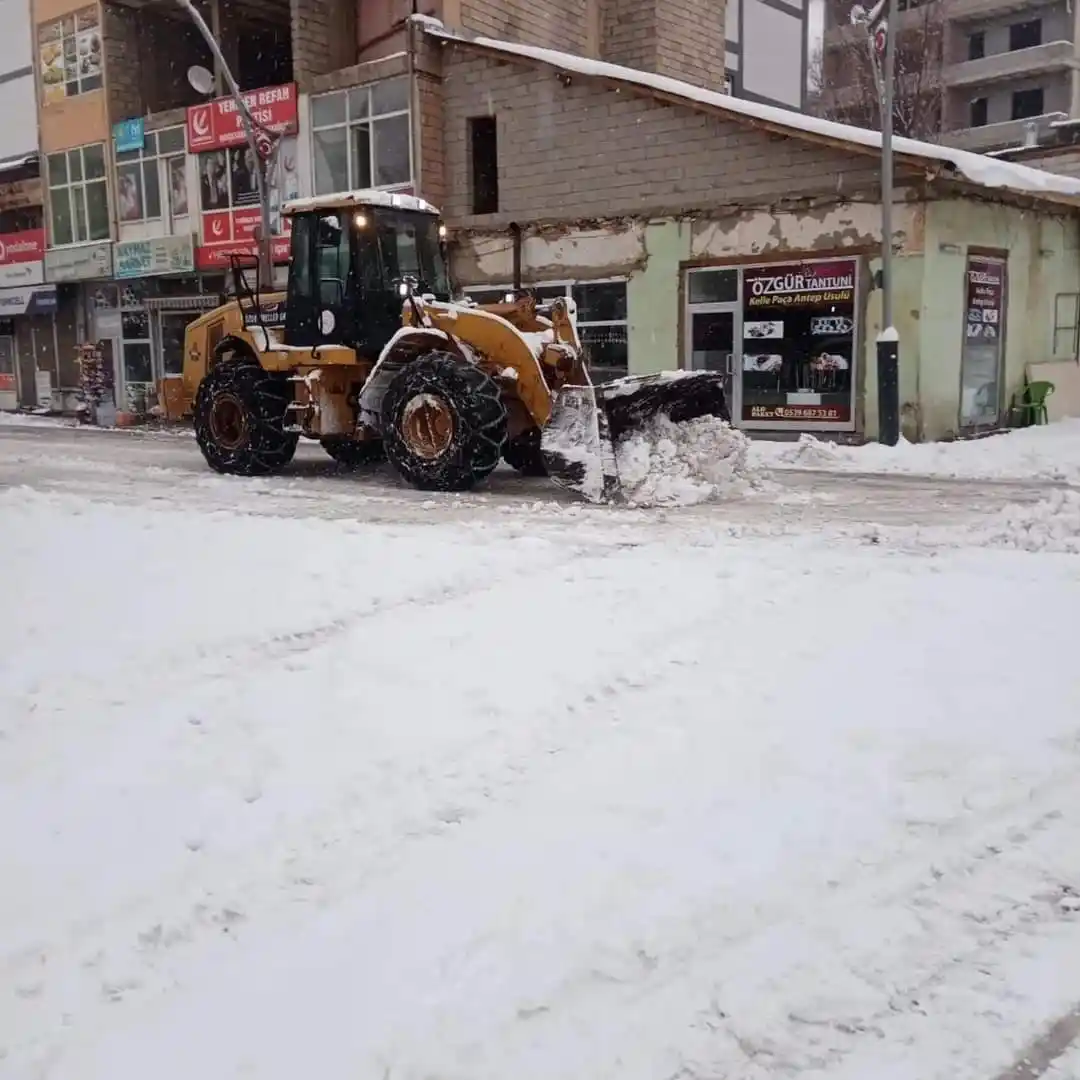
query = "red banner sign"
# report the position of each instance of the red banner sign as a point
(216, 256)
(7, 382)
(22, 247)
(229, 226)
(218, 124)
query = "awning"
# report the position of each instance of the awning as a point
(182, 303)
(27, 300)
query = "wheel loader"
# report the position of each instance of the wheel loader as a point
(366, 352)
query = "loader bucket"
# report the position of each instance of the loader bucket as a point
(587, 422)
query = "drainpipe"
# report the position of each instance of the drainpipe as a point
(515, 233)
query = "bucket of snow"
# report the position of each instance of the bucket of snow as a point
(667, 464)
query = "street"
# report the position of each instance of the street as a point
(322, 776)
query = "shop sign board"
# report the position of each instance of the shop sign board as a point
(799, 344)
(217, 124)
(21, 257)
(984, 328)
(30, 300)
(216, 256)
(128, 135)
(82, 262)
(159, 255)
(18, 194)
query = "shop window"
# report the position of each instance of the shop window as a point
(69, 55)
(173, 325)
(361, 137)
(1027, 103)
(484, 151)
(1025, 35)
(142, 174)
(984, 342)
(976, 45)
(601, 319)
(228, 182)
(979, 112)
(713, 286)
(78, 195)
(1067, 324)
(798, 342)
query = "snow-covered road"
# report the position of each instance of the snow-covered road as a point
(318, 776)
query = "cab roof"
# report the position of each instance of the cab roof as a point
(391, 199)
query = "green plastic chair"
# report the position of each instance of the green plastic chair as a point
(1035, 406)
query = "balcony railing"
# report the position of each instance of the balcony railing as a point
(998, 136)
(1038, 60)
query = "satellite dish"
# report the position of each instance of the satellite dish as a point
(201, 79)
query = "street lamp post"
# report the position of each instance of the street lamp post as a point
(266, 265)
(888, 341)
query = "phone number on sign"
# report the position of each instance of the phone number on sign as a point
(780, 412)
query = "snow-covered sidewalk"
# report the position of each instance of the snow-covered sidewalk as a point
(1049, 452)
(528, 798)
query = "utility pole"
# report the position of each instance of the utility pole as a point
(888, 341)
(265, 239)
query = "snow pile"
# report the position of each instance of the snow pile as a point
(22, 419)
(1050, 452)
(1052, 524)
(669, 464)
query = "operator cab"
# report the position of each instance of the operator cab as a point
(351, 254)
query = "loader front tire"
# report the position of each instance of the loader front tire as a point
(444, 423)
(239, 419)
(523, 454)
(354, 453)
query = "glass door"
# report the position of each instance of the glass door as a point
(711, 341)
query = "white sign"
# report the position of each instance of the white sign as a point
(33, 300)
(83, 262)
(28, 273)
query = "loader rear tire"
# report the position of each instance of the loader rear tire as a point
(354, 453)
(239, 419)
(444, 423)
(523, 454)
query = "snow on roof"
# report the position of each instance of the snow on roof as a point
(977, 168)
(393, 199)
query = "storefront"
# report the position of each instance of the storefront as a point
(22, 294)
(784, 335)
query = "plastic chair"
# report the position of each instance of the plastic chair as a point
(1035, 406)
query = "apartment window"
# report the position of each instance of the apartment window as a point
(69, 55)
(1025, 35)
(1067, 325)
(361, 137)
(1026, 103)
(601, 319)
(78, 196)
(976, 46)
(484, 148)
(141, 175)
(978, 112)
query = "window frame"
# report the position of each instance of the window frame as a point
(60, 32)
(567, 287)
(77, 189)
(1071, 327)
(1024, 24)
(985, 103)
(1029, 90)
(159, 161)
(365, 119)
(976, 43)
